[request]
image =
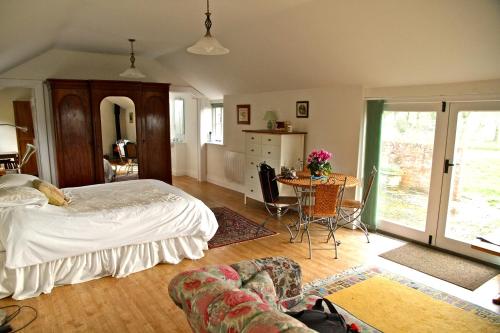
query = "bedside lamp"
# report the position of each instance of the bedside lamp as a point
(271, 117)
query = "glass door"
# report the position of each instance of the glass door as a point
(470, 200)
(412, 144)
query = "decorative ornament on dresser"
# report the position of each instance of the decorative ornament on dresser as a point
(317, 163)
(271, 118)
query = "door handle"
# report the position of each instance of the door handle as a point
(447, 165)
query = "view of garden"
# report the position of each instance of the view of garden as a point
(405, 170)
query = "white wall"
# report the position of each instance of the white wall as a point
(185, 155)
(334, 124)
(108, 129)
(65, 64)
(8, 139)
(462, 91)
(128, 129)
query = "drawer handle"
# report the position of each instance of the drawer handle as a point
(251, 149)
(269, 152)
(251, 163)
(253, 138)
(251, 190)
(251, 177)
(268, 139)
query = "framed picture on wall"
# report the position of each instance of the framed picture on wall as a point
(243, 114)
(302, 109)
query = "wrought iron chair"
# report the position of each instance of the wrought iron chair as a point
(351, 210)
(276, 205)
(321, 205)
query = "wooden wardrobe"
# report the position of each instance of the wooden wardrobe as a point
(77, 128)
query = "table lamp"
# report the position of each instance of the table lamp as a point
(271, 117)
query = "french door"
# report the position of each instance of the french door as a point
(439, 177)
(470, 196)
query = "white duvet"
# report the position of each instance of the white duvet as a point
(99, 217)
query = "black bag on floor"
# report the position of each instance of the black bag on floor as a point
(324, 322)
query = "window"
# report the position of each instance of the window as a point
(177, 120)
(217, 133)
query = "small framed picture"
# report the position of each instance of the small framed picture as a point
(302, 109)
(243, 114)
(131, 117)
(280, 125)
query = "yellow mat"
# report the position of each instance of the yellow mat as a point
(392, 307)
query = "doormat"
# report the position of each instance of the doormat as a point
(462, 272)
(235, 228)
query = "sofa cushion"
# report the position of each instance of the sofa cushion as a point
(285, 273)
(262, 285)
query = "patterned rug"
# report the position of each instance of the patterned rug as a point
(357, 275)
(234, 228)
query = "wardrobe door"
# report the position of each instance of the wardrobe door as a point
(73, 132)
(154, 136)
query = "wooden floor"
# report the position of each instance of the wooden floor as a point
(140, 302)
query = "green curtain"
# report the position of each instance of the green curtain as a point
(373, 132)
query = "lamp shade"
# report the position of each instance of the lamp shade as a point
(132, 73)
(208, 45)
(270, 115)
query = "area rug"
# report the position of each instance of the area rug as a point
(234, 228)
(465, 273)
(381, 301)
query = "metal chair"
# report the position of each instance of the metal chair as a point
(276, 205)
(321, 205)
(351, 210)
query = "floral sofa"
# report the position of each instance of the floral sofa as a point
(249, 296)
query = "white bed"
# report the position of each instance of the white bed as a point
(107, 229)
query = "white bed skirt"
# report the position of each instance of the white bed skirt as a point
(31, 281)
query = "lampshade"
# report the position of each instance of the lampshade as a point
(132, 72)
(208, 45)
(270, 115)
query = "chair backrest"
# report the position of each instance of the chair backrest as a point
(268, 183)
(367, 190)
(131, 150)
(326, 199)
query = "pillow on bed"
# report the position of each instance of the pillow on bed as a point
(21, 196)
(55, 195)
(12, 180)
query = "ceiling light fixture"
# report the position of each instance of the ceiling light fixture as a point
(132, 72)
(208, 45)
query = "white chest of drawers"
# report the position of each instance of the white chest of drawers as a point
(276, 149)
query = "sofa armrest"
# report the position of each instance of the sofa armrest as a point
(285, 273)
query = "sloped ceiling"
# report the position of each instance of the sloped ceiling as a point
(275, 45)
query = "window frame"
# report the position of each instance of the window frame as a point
(217, 139)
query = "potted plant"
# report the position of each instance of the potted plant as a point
(318, 164)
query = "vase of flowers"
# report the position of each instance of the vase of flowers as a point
(318, 164)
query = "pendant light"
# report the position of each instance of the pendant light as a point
(132, 72)
(208, 45)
